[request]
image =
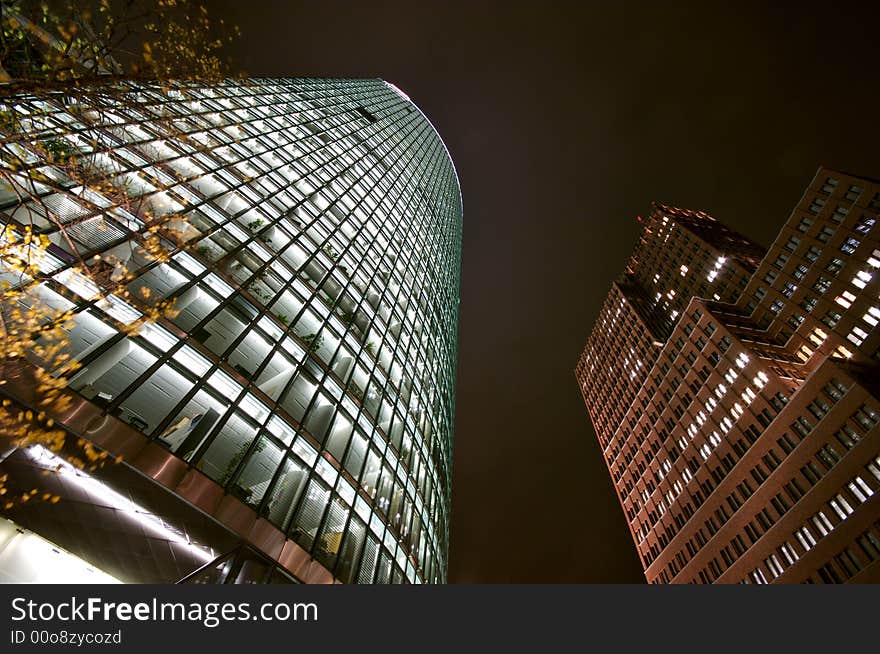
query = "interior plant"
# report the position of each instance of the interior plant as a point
(313, 341)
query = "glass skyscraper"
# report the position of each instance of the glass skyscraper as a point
(292, 418)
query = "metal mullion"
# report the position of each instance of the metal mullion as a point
(397, 402)
(312, 401)
(395, 351)
(195, 280)
(345, 386)
(309, 408)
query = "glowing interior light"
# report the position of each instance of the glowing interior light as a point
(78, 283)
(817, 336)
(30, 558)
(804, 353)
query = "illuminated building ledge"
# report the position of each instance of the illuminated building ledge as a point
(164, 468)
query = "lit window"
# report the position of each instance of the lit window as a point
(857, 335)
(850, 245)
(872, 317)
(861, 279)
(842, 351)
(818, 336)
(845, 300)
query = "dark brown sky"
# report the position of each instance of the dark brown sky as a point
(564, 123)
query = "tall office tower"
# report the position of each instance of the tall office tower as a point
(292, 419)
(752, 452)
(681, 253)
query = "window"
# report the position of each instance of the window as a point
(839, 214)
(845, 299)
(828, 575)
(825, 233)
(831, 318)
(870, 545)
(847, 437)
(850, 245)
(835, 389)
(865, 224)
(808, 303)
(813, 253)
(779, 401)
(794, 491)
(822, 284)
(802, 426)
(818, 408)
(857, 335)
(830, 185)
(834, 266)
(866, 417)
(853, 192)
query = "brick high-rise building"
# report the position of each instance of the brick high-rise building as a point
(741, 431)
(681, 253)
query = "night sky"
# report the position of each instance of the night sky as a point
(564, 124)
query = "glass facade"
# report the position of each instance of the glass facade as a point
(309, 366)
